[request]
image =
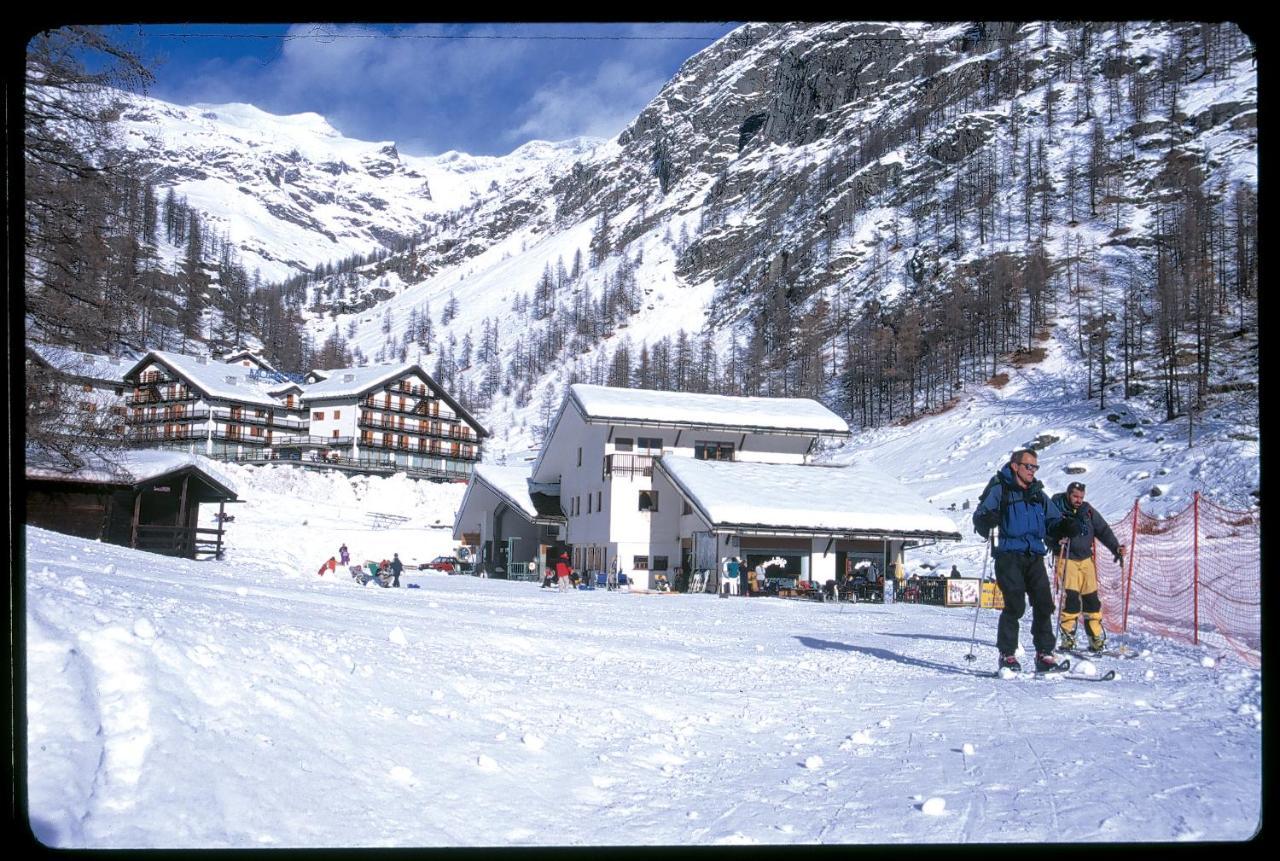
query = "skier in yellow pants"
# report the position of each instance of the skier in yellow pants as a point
(1079, 576)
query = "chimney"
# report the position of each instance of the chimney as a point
(202, 360)
(231, 381)
(348, 378)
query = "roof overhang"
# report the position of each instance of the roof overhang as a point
(769, 529)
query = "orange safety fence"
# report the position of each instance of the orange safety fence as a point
(1194, 576)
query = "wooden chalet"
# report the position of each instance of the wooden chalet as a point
(150, 501)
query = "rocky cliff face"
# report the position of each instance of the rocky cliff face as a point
(785, 166)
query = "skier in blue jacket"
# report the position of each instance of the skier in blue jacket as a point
(1014, 501)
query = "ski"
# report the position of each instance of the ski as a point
(1108, 676)
(1123, 652)
(1062, 668)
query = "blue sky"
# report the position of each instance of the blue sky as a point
(483, 89)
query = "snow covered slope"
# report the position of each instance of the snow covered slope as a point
(290, 192)
(250, 704)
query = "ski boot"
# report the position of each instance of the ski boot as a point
(1047, 662)
(1009, 662)
(1067, 640)
(1097, 644)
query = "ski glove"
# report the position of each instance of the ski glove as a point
(1118, 556)
(985, 522)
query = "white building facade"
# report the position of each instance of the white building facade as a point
(602, 451)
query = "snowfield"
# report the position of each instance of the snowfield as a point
(251, 703)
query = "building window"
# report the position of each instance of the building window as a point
(704, 450)
(623, 443)
(650, 443)
(579, 455)
(598, 507)
(337, 414)
(640, 563)
(589, 500)
(88, 388)
(687, 508)
(317, 417)
(335, 432)
(648, 500)
(659, 563)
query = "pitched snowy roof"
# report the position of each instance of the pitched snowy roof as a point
(354, 382)
(133, 466)
(238, 355)
(348, 382)
(211, 377)
(804, 498)
(512, 484)
(654, 408)
(90, 366)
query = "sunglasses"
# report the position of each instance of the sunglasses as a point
(1031, 466)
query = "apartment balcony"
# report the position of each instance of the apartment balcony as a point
(168, 417)
(158, 396)
(237, 435)
(448, 430)
(629, 465)
(416, 391)
(423, 408)
(136, 437)
(245, 418)
(411, 447)
(307, 441)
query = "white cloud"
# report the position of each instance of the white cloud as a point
(599, 107)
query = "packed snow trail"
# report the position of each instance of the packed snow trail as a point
(179, 704)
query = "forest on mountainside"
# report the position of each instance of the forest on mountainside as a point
(1027, 174)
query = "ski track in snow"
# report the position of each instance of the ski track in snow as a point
(673, 720)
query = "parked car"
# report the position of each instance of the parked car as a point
(447, 564)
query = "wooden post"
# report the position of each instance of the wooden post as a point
(1195, 569)
(1128, 584)
(222, 519)
(137, 508)
(182, 536)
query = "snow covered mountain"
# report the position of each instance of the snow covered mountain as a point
(290, 192)
(791, 184)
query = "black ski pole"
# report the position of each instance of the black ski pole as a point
(978, 606)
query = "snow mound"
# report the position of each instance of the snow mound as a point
(934, 806)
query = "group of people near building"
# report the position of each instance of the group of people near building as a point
(385, 573)
(1027, 520)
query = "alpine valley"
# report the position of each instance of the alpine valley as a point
(879, 215)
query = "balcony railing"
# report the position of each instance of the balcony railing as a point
(144, 437)
(167, 417)
(422, 408)
(628, 464)
(448, 430)
(412, 448)
(238, 436)
(306, 441)
(248, 418)
(160, 397)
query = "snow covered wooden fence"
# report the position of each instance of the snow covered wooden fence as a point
(1194, 576)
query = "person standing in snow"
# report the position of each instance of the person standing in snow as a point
(396, 567)
(562, 572)
(1014, 501)
(344, 555)
(1080, 576)
(612, 581)
(733, 570)
(331, 565)
(955, 572)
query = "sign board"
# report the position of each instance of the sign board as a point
(962, 592)
(992, 596)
